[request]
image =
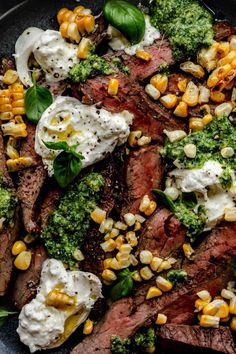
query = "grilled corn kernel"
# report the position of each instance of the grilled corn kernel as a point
(29, 239)
(98, 215)
(204, 95)
(107, 263)
(212, 307)
(58, 299)
(152, 91)
(84, 48)
(6, 115)
(133, 137)
(88, 327)
(196, 124)
(141, 54)
(209, 321)
(78, 9)
(120, 240)
(181, 110)
(146, 273)
(145, 203)
(6, 107)
(217, 96)
(175, 135)
(227, 59)
(5, 93)
(144, 140)
(223, 49)
(193, 69)
(18, 247)
(227, 294)
(140, 218)
(73, 33)
(114, 233)
(151, 208)
(145, 257)
(190, 150)
(136, 276)
(204, 295)
(106, 225)
(23, 260)
(224, 109)
(155, 263)
(161, 319)
(137, 226)
(160, 82)
(124, 263)
(232, 305)
(108, 275)
(60, 15)
(125, 249)
(89, 23)
(133, 260)
(169, 101)
(218, 74)
(163, 284)
(227, 152)
(223, 311)
(108, 246)
(113, 87)
(182, 85)
(230, 214)
(131, 238)
(233, 324)
(78, 255)
(19, 164)
(122, 256)
(10, 77)
(188, 250)
(129, 219)
(153, 291)
(207, 119)
(207, 57)
(200, 304)
(11, 149)
(191, 94)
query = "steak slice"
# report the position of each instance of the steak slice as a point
(208, 271)
(30, 181)
(222, 30)
(185, 339)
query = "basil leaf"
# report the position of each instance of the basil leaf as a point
(165, 199)
(122, 289)
(4, 313)
(37, 100)
(127, 18)
(59, 145)
(66, 167)
(124, 274)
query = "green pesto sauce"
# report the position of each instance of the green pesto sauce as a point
(187, 24)
(92, 66)
(7, 205)
(143, 341)
(121, 66)
(177, 275)
(68, 224)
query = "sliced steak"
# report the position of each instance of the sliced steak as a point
(208, 271)
(100, 31)
(30, 181)
(49, 203)
(184, 339)
(222, 30)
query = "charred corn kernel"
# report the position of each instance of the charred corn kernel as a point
(10, 77)
(146, 273)
(196, 124)
(145, 203)
(6, 116)
(29, 239)
(188, 250)
(6, 107)
(120, 240)
(207, 57)
(133, 137)
(227, 59)
(212, 307)
(155, 263)
(232, 305)
(108, 246)
(19, 164)
(125, 249)
(191, 94)
(131, 238)
(141, 54)
(223, 49)
(175, 135)
(15, 130)
(182, 85)
(84, 48)
(205, 109)
(169, 101)
(181, 110)
(113, 87)
(160, 82)
(137, 226)
(58, 299)
(78, 255)
(89, 23)
(144, 140)
(217, 96)
(163, 284)
(233, 324)
(209, 321)
(152, 91)
(204, 95)
(207, 119)
(11, 149)
(129, 219)
(200, 304)
(18, 247)
(108, 275)
(98, 215)
(194, 69)
(224, 109)
(106, 225)
(161, 319)
(227, 294)
(204, 295)
(230, 214)
(190, 150)
(227, 152)
(140, 218)
(64, 29)
(223, 311)
(145, 257)
(153, 291)
(218, 74)
(88, 327)
(136, 276)
(23, 260)
(133, 260)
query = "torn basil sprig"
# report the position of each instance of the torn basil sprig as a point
(68, 164)
(4, 314)
(124, 286)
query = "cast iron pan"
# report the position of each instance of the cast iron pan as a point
(41, 13)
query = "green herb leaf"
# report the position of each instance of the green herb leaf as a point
(124, 286)
(127, 18)
(4, 313)
(165, 199)
(66, 167)
(59, 145)
(37, 100)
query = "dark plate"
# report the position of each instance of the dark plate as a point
(41, 13)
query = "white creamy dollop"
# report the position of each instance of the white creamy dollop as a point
(42, 326)
(206, 184)
(97, 131)
(55, 56)
(119, 42)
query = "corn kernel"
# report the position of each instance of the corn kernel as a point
(227, 59)
(193, 69)
(140, 218)
(151, 208)
(230, 214)
(137, 226)
(6, 107)
(232, 305)
(227, 294)
(146, 273)
(136, 276)
(233, 324)
(77, 10)
(4, 100)
(196, 124)
(224, 109)
(223, 311)
(129, 219)
(155, 263)
(190, 150)
(141, 54)
(200, 304)
(121, 226)
(223, 49)
(114, 233)
(207, 57)
(125, 249)
(227, 152)
(108, 246)
(188, 250)
(124, 263)
(113, 87)
(212, 307)
(169, 101)
(84, 48)
(217, 96)
(191, 94)
(78, 255)
(19, 163)
(120, 240)
(175, 135)
(204, 295)
(207, 119)
(111, 263)
(106, 225)
(18, 111)
(6, 115)
(145, 203)
(182, 85)
(88, 327)
(153, 291)
(181, 110)
(161, 319)
(122, 256)
(18, 247)
(163, 284)
(144, 140)
(209, 321)
(133, 260)
(10, 77)
(131, 238)
(60, 15)
(133, 137)
(58, 299)
(89, 23)
(11, 149)
(204, 95)
(145, 257)
(108, 275)
(23, 260)
(152, 92)
(98, 215)
(64, 29)
(160, 82)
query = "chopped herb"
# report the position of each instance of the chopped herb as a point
(7, 205)
(177, 275)
(226, 178)
(164, 69)
(121, 66)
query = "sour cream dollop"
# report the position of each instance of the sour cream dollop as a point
(97, 131)
(119, 42)
(42, 326)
